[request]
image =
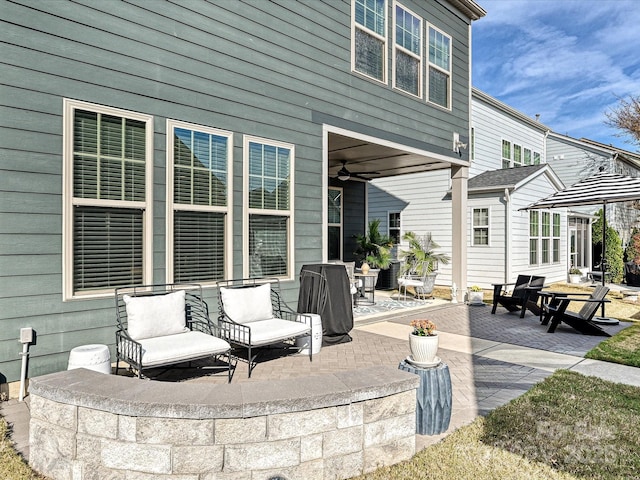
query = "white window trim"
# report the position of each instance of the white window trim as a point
(397, 47)
(68, 200)
(488, 227)
(354, 26)
(246, 211)
(449, 73)
(171, 207)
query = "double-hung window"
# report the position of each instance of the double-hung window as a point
(506, 154)
(534, 234)
(198, 203)
(527, 156)
(439, 68)
(536, 158)
(545, 223)
(394, 227)
(268, 173)
(407, 54)
(517, 155)
(107, 222)
(369, 37)
(480, 225)
(556, 238)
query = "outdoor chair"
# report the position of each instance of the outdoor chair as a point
(556, 311)
(523, 296)
(252, 314)
(407, 280)
(166, 324)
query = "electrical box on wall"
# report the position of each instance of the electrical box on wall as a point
(26, 335)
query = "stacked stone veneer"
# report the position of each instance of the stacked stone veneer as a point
(86, 425)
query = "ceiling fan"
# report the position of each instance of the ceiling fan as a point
(344, 174)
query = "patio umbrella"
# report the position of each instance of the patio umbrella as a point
(601, 188)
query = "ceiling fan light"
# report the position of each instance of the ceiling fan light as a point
(344, 174)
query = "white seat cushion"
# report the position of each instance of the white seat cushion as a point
(155, 315)
(273, 330)
(180, 347)
(408, 282)
(247, 304)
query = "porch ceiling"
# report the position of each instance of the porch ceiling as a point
(363, 157)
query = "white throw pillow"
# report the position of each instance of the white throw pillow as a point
(156, 315)
(248, 304)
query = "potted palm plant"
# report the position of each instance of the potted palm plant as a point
(421, 261)
(374, 249)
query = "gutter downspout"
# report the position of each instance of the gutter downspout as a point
(507, 237)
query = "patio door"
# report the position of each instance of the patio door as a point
(578, 238)
(334, 223)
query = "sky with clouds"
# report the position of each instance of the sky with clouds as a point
(567, 60)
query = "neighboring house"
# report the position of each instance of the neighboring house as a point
(573, 160)
(507, 173)
(153, 142)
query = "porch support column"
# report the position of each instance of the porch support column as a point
(459, 179)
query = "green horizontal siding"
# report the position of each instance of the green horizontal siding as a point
(269, 69)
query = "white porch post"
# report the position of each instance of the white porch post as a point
(459, 179)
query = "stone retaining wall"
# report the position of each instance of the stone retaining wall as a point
(86, 425)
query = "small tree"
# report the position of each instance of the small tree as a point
(613, 248)
(633, 248)
(626, 117)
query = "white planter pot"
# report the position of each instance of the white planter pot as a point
(476, 298)
(575, 278)
(423, 349)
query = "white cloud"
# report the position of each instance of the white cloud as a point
(567, 60)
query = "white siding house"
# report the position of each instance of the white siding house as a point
(573, 160)
(507, 173)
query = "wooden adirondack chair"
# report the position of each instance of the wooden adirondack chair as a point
(523, 297)
(556, 311)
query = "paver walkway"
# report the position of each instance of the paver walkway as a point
(492, 359)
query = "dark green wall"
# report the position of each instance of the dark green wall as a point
(263, 68)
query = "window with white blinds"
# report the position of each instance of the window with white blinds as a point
(407, 53)
(107, 158)
(199, 199)
(269, 198)
(370, 38)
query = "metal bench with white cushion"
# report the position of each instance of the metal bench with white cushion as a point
(252, 314)
(167, 324)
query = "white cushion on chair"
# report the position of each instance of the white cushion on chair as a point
(155, 315)
(181, 347)
(408, 282)
(264, 332)
(247, 304)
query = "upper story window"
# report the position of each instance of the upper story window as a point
(517, 155)
(536, 158)
(407, 53)
(506, 154)
(268, 174)
(198, 203)
(527, 156)
(370, 38)
(439, 68)
(107, 224)
(480, 226)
